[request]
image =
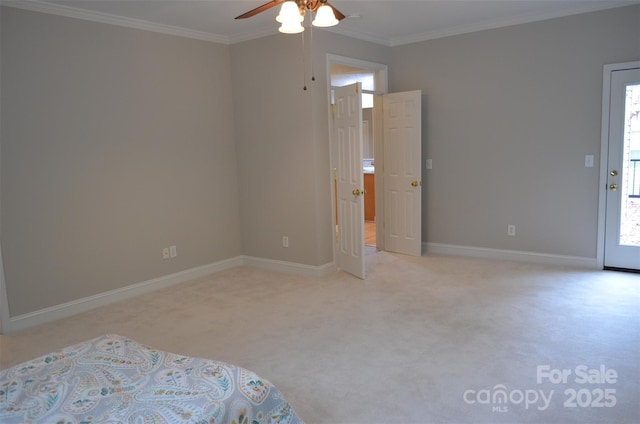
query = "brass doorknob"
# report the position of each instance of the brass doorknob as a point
(613, 173)
(613, 187)
(415, 184)
(356, 192)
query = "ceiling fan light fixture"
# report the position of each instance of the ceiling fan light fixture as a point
(290, 18)
(289, 12)
(291, 27)
(325, 17)
(292, 15)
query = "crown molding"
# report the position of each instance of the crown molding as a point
(73, 12)
(106, 18)
(490, 24)
(264, 32)
(359, 36)
(501, 23)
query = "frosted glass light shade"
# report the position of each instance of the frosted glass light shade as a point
(291, 27)
(325, 17)
(289, 12)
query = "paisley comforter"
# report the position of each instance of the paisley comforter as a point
(113, 379)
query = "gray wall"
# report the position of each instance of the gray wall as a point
(282, 135)
(509, 115)
(115, 143)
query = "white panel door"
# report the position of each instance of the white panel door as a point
(349, 179)
(402, 123)
(622, 219)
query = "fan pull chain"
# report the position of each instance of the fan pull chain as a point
(304, 67)
(313, 76)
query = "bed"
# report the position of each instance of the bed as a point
(113, 379)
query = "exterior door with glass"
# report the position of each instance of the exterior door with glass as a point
(622, 182)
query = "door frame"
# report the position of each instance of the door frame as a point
(382, 87)
(604, 153)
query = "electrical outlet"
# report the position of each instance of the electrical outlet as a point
(165, 253)
(173, 251)
(511, 230)
(285, 241)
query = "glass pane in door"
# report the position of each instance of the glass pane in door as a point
(630, 181)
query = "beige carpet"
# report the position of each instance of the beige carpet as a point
(422, 340)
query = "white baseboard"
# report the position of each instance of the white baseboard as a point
(22, 322)
(43, 316)
(289, 267)
(511, 255)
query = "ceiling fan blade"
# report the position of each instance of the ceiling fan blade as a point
(259, 9)
(339, 15)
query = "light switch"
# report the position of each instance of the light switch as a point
(588, 161)
(428, 164)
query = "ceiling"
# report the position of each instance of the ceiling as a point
(386, 22)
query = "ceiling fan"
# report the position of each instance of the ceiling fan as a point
(303, 6)
(292, 14)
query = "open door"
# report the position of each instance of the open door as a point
(402, 127)
(349, 179)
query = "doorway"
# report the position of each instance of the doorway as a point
(619, 228)
(345, 71)
(395, 168)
